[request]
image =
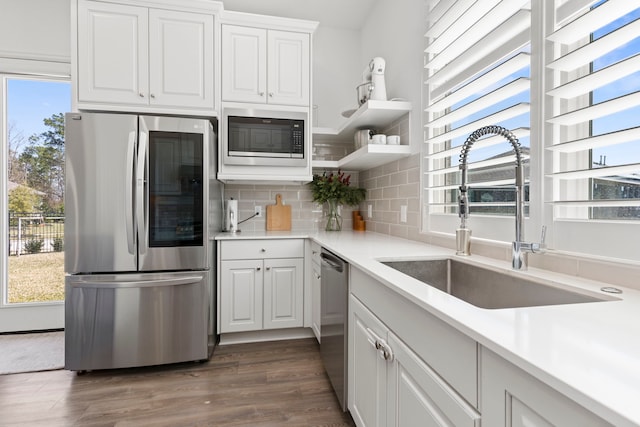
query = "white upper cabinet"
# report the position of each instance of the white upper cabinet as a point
(111, 39)
(265, 66)
(181, 59)
(244, 62)
(144, 59)
(288, 68)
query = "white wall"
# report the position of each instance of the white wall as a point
(395, 31)
(336, 72)
(35, 29)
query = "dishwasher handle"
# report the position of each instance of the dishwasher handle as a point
(332, 261)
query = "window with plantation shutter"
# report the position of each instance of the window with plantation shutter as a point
(564, 77)
(593, 126)
(477, 73)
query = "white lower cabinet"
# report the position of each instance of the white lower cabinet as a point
(266, 293)
(283, 293)
(367, 377)
(513, 398)
(242, 295)
(390, 385)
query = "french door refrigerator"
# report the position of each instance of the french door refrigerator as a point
(137, 254)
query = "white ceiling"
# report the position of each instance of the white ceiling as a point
(349, 14)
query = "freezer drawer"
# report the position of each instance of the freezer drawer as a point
(120, 321)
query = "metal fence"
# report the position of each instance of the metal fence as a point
(35, 232)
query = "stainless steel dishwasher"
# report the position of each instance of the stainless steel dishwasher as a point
(333, 321)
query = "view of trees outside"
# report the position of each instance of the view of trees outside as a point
(35, 166)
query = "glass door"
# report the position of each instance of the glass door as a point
(32, 202)
(175, 189)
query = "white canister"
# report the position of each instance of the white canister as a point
(379, 139)
(231, 216)
(393, 139)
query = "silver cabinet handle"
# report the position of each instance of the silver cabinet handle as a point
(381, 346)
(386, 352)
(258, 269)
(261, 93)
(141, 95)
(271, 94)
(268, 268)
(152, 96)
(263, 250)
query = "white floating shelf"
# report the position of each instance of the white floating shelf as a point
(367, 157)
(370, 115)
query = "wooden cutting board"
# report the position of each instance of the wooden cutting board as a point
(278, 216)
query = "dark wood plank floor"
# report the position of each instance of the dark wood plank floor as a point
(263, 384)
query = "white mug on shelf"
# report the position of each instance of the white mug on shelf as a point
(393, 139)
(379, 139)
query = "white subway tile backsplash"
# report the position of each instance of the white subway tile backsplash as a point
(390, 167)
(398, 178)
(382, 205)
(383, 181)
(374, 193)
(390, 192)
(408, 190)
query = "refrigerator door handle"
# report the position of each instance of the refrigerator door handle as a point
(129, 220)
(141, 223)
(83, 283)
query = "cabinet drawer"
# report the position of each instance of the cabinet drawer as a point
(262, 248)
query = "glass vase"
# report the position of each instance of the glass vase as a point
(334, 220)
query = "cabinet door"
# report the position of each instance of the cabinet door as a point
(241, 295)
(283, 293)
(316, 305)
(112, 53)
(513, 398)
(417, 396)
(288, 68)
(181, 59)
(244, 62)
(367, 398)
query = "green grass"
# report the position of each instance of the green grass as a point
(36, 277)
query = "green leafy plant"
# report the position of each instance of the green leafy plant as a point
(33, 246)
(336, 187)
(58, 244)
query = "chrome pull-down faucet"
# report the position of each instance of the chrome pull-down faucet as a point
(463, 234)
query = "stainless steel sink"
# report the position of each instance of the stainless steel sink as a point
(487, 288)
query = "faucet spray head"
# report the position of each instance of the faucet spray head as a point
(463, 206)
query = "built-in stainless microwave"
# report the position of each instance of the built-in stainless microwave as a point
(264, 137)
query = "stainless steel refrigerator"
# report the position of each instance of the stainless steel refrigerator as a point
(138, 286)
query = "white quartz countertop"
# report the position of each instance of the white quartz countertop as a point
(589, 352)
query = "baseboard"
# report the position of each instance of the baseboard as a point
(267, 335)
